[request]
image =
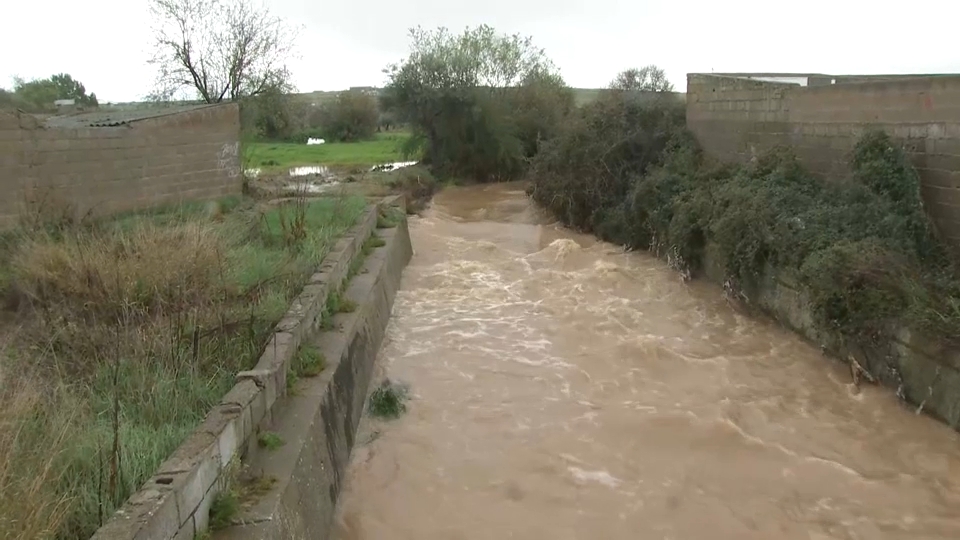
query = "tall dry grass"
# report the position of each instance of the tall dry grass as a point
(31, 506)
(129, 331)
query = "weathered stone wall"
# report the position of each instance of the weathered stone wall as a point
(735, 119)
(922, 371)
(190, 155)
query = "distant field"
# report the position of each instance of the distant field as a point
(581, 95)
(272, 156)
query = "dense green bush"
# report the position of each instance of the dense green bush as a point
(352, 116)
(272, 115)
(861, 247)
(585, 171)
(478, 103)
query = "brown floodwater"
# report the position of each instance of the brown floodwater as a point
(564, 389)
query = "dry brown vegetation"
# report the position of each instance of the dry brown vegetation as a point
(31, 506)
(121, 334)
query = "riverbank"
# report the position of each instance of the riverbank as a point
(267, 458)
(853, 264)
(122, 334)
(550, 371)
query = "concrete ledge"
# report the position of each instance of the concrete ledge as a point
(923, 374)
(175, 502)
(318, 421)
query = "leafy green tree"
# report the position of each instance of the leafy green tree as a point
(268, 115)
(474, 101)
(39, 94)
(10, 100)
(353, 116)
(646, 79)
(584, 172)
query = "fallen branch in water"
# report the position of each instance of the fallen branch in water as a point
(857, 371)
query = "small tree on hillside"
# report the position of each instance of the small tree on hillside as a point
(459, 93)
(646, 79)
(542, 103)
(387, 120)
(353, 116)
(40, 94)
(219, 49)
(586, 171)
(269, 115)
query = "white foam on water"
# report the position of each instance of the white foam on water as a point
(600, 477)
(559, 248)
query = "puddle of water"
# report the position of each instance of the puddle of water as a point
(323, 179)
(312, 187)
(321, 170)
(387, 167)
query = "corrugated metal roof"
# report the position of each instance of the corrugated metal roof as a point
(101, 118)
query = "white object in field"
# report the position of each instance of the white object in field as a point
(387, 167)
(311, 140)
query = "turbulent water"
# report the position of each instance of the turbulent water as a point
(564, 389)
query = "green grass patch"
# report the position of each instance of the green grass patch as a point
(293, 377)
(389, 218)
(330, 308)
(270, 440)
(131, 329)
(273, 156)
(224, 507)
(336, 303)
(309, 362)
(374, 242)
(347, 306)
(388, 400)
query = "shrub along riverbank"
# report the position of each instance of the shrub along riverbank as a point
(119, 336)
(861, 247)
(488, 107)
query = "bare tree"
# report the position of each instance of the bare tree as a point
(646, 79)
(221, 49)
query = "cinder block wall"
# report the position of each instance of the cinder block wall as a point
(192, 155)
(736, 119)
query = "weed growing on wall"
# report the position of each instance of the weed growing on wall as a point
(388, 400)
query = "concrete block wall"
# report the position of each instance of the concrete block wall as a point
(736, 119)
(190, 155)
(174, 504)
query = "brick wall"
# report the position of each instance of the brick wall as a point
(736, 119)
(191, 155)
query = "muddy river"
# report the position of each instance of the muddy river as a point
(564, 389)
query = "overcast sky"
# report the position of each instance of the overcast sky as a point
(104, 43)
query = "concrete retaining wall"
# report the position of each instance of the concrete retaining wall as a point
(318, 422)
(736, 119)
(923, 373)
(77, 168)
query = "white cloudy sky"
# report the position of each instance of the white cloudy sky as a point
(104, 43)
